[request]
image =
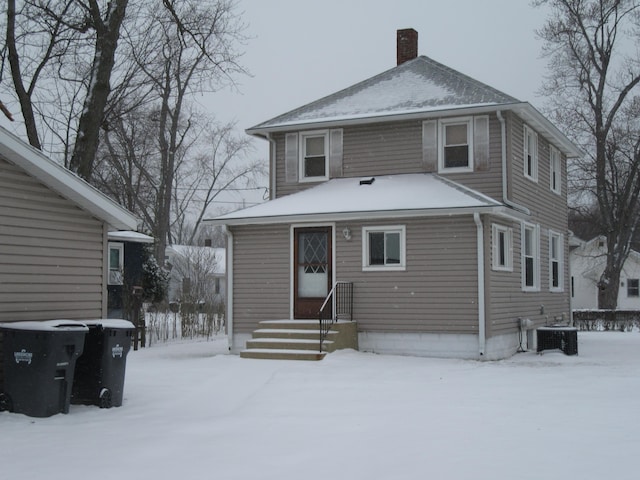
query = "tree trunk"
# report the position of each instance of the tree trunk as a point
(107, 34)
(23, 96)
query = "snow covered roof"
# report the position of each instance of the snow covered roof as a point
(420, 194)
(130, 236)
(419, 88)
(64, 182)
(419, 85)
(216, 254)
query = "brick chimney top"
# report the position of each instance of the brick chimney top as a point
(407, 45)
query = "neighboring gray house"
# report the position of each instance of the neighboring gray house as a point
(587, 262)
(440, 199)
(196, 273)
(53, 238)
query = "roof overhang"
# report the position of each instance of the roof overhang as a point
(369, 215)
(523, 109)
(64, 182)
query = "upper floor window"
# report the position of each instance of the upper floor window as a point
(383, 248)
(556, 262)
(116, 263)
(456, 153)
(502, 248)
(530, 247)
(530, 154)
(555, 178)
(314, 148)
(633, 287)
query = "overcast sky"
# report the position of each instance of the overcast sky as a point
(301, 51)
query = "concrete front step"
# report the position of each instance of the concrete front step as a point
(275, 354)
(290, 343)
(298, 340)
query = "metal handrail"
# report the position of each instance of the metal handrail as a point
(341, 296)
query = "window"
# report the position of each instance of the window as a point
(383, 248)
(502, 248)
(555, 178)
(457, 148)
(313, 159)
(633, 289)
(556, 262)
(530, 154)
(530, 257)
(116, 263)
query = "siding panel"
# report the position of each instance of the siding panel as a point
(51, 253)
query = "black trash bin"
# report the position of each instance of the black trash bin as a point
(99, 376)
(39, 362)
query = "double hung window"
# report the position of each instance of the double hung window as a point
(556, 262)
(313, 158)
(530, 246)
(530, 154)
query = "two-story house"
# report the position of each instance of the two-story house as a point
(441, 200)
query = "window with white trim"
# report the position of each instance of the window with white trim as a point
(314, 152)
(555, 176)
(502, 239)
(116, 263)
(456, 141)
(530, 248)
(530, 154)
(384, 248)
(633, 287)
(556, 262)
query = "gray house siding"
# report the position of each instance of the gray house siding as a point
(261, 275)
(441, 271)
(396, 148)
(51, 253)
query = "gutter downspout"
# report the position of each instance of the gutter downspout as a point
(482, 334)
(229, 309)
(503, 138)
(272, 166)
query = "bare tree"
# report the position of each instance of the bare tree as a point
(594, 71)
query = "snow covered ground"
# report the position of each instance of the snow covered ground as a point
(190, 411)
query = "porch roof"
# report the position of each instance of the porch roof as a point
(406, 195)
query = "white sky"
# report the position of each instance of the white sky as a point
(302, 51)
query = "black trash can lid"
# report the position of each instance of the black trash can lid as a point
(45, 326)
(114, 323)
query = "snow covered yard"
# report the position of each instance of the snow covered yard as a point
(190, 411)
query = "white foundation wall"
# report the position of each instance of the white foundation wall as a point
(238, 342)
(439, 345)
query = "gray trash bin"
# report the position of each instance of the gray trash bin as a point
(39, 361)
(99, 376)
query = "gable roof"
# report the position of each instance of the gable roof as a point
(419, 88)
(404, 195)
(64, 182)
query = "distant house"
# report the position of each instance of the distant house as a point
(587, 261)
(440, 199)
(126, 257)
(54, 230)
(197, 274)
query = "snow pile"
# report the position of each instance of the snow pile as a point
(191, 412)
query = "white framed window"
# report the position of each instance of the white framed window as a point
(384, 248)
(116, 263)
(456, 145)
(314, 154)
(555, 175)
(530, 154)
(502, 247)
(556, 262)
(530, 249)
(633, 287)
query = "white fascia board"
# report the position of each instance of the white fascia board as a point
(346, 216)
(380, 118)
(64, 182)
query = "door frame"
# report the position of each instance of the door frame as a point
(293, 261)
